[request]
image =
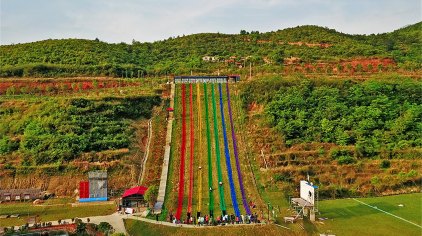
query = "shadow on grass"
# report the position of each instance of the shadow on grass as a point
(309, 227)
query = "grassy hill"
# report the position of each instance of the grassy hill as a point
(78, 57)
(63, 128)
(354, 135)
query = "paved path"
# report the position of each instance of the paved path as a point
(186, 225)
(164, 172)
(115, 220)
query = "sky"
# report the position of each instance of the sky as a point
(151, 20)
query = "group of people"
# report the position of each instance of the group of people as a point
(219, 220)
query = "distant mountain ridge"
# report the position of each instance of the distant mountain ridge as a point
(70, 57)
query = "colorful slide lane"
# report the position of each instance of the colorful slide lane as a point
(182, 157)
(192, 141)
(218, 155)
(207, 121)
(209, 160)
(236, 154)
(198, 100)
(227, 154)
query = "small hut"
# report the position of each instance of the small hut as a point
(134, 197)
(20, 194)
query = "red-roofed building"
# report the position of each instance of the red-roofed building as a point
(134, 197)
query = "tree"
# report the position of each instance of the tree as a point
(151, 194)
(80, 227)
(340, 68)
(359, 68)
(105, 227)
(95, 84)
(11, 90)
(278, 56)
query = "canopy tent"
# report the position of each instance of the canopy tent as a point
(139, 190)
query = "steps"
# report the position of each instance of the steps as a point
(164, 173)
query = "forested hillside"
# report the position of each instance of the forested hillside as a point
(55, 130)
(178, 55)
(351, 137)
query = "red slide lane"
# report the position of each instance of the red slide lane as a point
(182, 157)
(191, 152)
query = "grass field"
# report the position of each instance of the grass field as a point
(350, 217)
(51, 210)
(345, 217)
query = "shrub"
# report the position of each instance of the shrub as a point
(337, 153)
(151, 194)
(321, 151)
(282, 177)
(118, 234)
(412, 173)
(385, 164)
(7, 145)
(344, 160)
(9, 166)
(104, 227)
(375, 180)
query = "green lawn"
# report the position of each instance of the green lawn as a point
(51, 210)
(349, 217)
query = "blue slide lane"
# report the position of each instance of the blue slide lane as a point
(236, 155)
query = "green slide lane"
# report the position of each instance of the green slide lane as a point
(218, 155)
(211, 206)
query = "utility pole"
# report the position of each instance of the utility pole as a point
(250, 70)
(265, 161)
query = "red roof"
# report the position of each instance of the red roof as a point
(170, 109)
(136, 190)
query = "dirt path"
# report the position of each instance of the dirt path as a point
(142, 174)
